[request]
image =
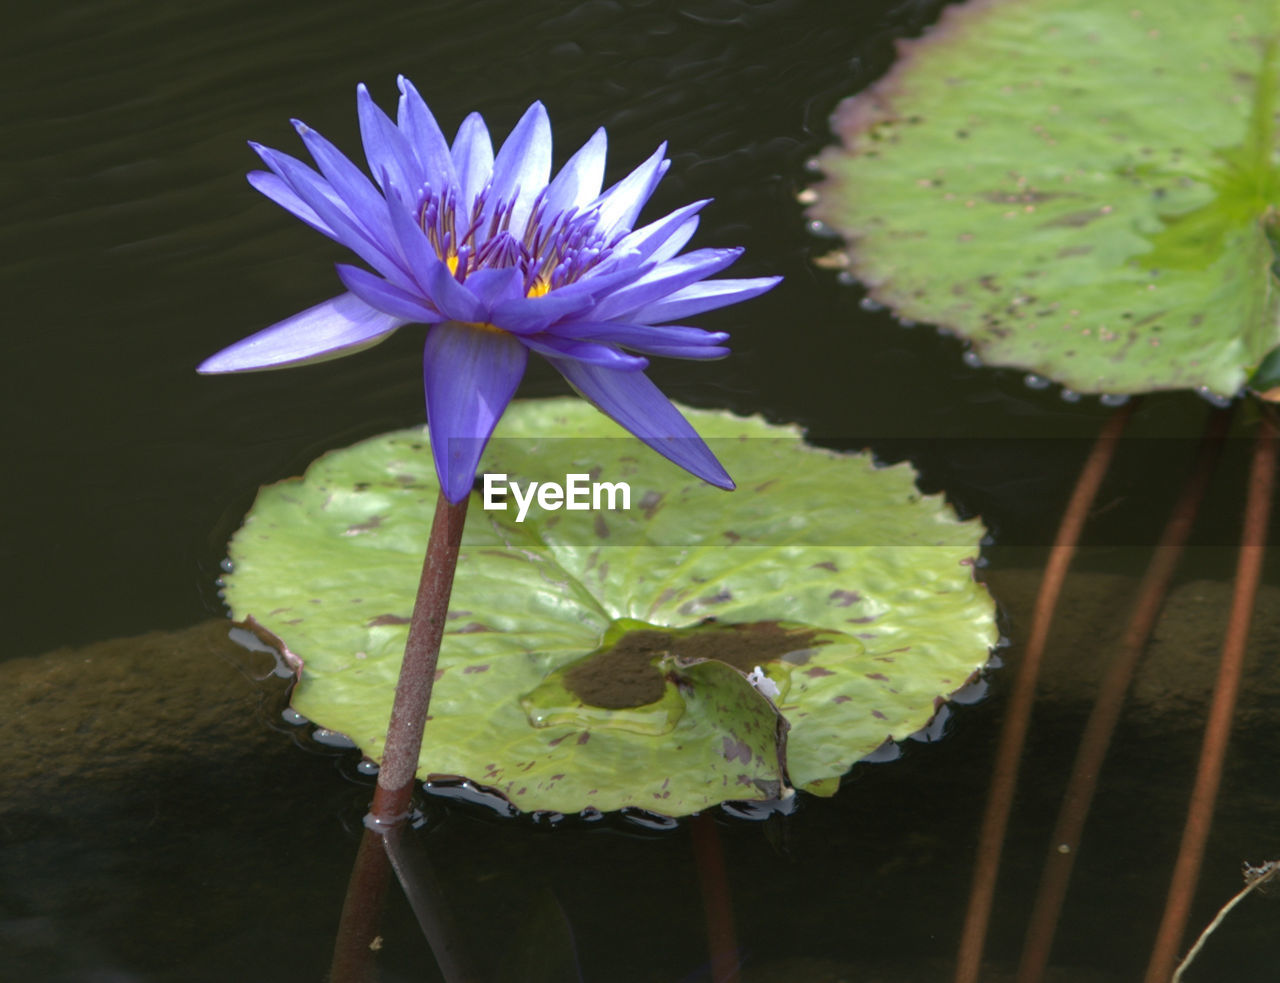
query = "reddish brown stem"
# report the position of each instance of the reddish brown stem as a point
(717, 905)
(1065, 842)
(355, 946)
(1195, 833)
(1004, 779)
(392, 797)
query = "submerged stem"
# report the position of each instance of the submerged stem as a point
(355, 946)
(1096, 738)
(418, 671)
(1217, 731)
(1013, 735)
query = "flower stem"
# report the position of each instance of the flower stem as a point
(418, 671)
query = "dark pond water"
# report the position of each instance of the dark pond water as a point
(193, 839)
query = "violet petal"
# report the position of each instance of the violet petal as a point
(470, 374)
(635, 403)
(340, 326)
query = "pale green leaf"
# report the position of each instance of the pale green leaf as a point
(852, 591)
(1081, 188)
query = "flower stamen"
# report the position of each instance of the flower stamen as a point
(482, 326)
(549, 251)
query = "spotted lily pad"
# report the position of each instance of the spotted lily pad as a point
(1081, 189)
(600, 658)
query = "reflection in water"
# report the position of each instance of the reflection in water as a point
(461, 790)
(331, 738)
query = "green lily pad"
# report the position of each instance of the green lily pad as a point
(1081, 189)
(601, 658)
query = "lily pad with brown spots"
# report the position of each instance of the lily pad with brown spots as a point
(599, 658)
(1086, 189)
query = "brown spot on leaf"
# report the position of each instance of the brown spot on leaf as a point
(818, 671)
(734, 750)
(472, 628)
(369, 525)
(878, 715)
(623, 676)
(1028, 197)
(877, 675)
(584, 737)
(386, 619)
(626, 675)
(473, 669)
(844, 598)
(601, 527)
(1074, 220)
(669, 594)
(719, 597)
(825, 565)
(841, 699)
(650, 503)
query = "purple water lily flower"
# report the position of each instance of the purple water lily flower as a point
(499, 259)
